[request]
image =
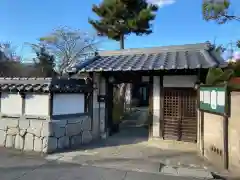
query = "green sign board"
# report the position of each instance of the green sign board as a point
(212, 99)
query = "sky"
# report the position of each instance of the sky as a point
(177, 22)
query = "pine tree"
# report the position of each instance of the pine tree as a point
(216, 10)
(45, 63)
(219, 11)
(118, 18)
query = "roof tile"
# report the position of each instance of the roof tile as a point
(171, 57)
(43, 85)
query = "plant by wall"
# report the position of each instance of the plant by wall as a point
(219, 76)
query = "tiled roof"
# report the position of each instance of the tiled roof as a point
(43, 85)
(193, 56)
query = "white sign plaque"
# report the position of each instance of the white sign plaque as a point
(213, 99)
(221, 98)
(207, 97)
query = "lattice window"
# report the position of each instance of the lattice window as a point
(171, 103)
(180, 121)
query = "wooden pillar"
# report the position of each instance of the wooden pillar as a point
(161, 107)
(23, 96)
(50, 108)
(102, 104)
(156, 107)
(225, 127)
(90, 105)
(109, 104)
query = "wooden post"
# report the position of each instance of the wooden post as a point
(202, 131)
(90, 105)
(23, 96)
(50, 108)
(150, 111)
(161, 120)
(225, 127)
(109, 104)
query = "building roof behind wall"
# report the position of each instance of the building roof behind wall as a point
(191, 56)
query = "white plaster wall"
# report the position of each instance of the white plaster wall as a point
(37, 104)
(68, 104)
(11, 104)
(156, 106)
(179, 81)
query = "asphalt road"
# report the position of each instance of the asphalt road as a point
(17, 166)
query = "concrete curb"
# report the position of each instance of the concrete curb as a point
(187, 172)
(165, 170)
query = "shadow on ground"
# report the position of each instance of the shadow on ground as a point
(132, 130)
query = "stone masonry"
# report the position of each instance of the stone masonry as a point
(44, 136)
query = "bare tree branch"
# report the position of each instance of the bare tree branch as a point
(8, 50)
(69, 46)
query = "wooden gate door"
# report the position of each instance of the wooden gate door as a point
(180, 114)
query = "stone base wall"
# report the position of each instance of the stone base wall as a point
(45, 136)
(213, 136)
(234, 133)
(213, 139)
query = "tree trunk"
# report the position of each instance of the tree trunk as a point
(123, 86)
(122, 42)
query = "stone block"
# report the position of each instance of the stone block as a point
(60, 123)
(38, 132)
(24, 124)
(63, 142)
(2, 137)
(35, 127)
(75, 121)
(29, 142)
(11, 123)
(22, 132)
(13, 131)
(10, 140)
(76, 141)
(38, 144)
(19, 142)
(58, 131)
(47, 129)
(3, 124)
(45, 145)
(49, 144)
(36, 124)
(86, 137)
(86, 124)
(73, 129)
(52, 144)
(34, 131)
